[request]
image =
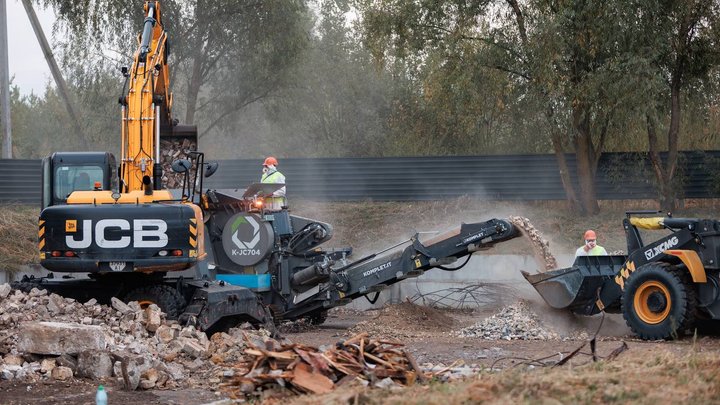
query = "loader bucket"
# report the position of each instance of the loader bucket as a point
(576, 287)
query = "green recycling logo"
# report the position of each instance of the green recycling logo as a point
(255, 232)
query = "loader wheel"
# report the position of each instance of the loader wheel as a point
(167, 298)
(658, 302)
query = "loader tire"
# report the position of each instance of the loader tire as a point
(167, 298)
(659, 302)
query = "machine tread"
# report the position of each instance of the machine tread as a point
(167, 298)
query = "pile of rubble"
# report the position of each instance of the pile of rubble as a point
(540, 245)
(304, 369)
(46, 336)
(514, 322)
(174, 148)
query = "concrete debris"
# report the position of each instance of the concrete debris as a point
(5, 290)
(94, 364)
(541, 247)
(152, 318)
(47, 365)
(175, 148)
(58, 338)
(13, 360)
(45, 336)
(60, 373)
(120, 306)
(514, 322)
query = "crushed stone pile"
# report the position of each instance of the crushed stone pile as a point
(45, 336)
(514, 322)
(540, 245)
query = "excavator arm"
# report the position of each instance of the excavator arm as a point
(146, 106)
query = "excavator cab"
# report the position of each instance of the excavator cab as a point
(65, 172)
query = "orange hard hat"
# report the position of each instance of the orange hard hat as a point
(589, 234)
(270, 161)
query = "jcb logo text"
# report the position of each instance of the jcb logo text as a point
(118, 234)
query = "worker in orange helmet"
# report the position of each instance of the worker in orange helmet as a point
(590, 248)
(271, 175)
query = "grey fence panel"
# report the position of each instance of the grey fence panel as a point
(511, 177)
(20, 181)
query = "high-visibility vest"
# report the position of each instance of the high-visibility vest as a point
(596, 251)
(278, 200)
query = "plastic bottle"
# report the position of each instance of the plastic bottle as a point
(101, 396)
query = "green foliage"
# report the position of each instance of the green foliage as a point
(225, 54)
(41, 125)
(393, 77)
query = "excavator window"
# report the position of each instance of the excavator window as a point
(75, 178)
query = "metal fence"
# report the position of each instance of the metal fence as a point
(508, 177)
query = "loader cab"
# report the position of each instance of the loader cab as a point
(65, 172)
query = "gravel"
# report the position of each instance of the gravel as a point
(514, 322)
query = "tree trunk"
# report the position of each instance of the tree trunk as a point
(196, 77)
(193, 89)
(665, 172)
(565, 178)
(585, 160)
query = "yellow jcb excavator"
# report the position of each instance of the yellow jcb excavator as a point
(117, 223)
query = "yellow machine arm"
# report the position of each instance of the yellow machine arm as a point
(146, 106)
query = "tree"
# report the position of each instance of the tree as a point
(226, 54)
(560, 51)
(338, 103)
(41, 124)
(681, 39)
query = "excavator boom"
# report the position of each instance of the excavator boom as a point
(146, 106)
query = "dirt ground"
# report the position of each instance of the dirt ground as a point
(429, 334)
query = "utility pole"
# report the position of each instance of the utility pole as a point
(5, 124)
(59, 81)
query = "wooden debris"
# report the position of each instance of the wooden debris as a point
(304, 369)
(307, 378)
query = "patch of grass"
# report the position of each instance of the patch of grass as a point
(18, 239)
(636, 379)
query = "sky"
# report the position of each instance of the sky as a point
(27, 65)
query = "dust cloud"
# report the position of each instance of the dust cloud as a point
(568, 324)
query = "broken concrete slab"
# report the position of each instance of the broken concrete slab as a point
(59, 338)
(94, 364)
(120, 306)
